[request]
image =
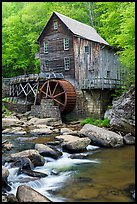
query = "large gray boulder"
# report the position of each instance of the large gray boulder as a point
(101, 137)
(73, 143)
(32, 154)
(45, 150)
(27, 194)
(122, 115)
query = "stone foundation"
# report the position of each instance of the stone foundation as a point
(46, 109)
(90, 103)
(97, 101)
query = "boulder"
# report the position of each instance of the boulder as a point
(4, 198)
(68, 131)
(11, 121)
(129, 139)
(26, 163)
(33, 155)
(74, 143)
(11, 198)
(44, 121)
(32, 173)
(44, 150)
(5, 174)
(5, 185)
(6, 145)
(42, 131)
(27, 194)
(122, 116)
(15, 131)
(101, 137)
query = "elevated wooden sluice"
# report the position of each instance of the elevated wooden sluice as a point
(26, 87)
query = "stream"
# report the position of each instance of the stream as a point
(102, 175)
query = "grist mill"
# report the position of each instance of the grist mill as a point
(79, 71)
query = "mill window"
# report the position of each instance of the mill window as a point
(55, 25)
(66, 63)
(46, 47)
(87, 49)
(108, 74)
(66, 44)
(47, 63)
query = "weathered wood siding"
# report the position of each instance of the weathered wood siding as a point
(99, 68)
(56, 52)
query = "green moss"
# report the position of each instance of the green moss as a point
(99, 122)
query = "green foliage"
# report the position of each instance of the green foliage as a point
(109, 107)
(8, 100)
(117, 26)
(99, 122)
(5, 111)
(22, 23)
(118, 92)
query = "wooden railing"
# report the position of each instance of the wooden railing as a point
(100, 83)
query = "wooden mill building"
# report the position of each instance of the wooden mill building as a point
(79, 70)
(84, 58)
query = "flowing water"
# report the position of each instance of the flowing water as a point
(102, 175)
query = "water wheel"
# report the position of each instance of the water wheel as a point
(61, 91)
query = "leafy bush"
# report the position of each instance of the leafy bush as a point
(99, 122)
(5, 111)
(8, 100)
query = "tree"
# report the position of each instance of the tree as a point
(117, 27)
(22, 23)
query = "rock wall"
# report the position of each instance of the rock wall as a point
(122, 114)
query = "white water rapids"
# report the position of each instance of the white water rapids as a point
(59, 171)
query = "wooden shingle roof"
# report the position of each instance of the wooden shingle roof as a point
(79, 29)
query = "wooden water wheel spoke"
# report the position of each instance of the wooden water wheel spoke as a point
(58, 102)
(45, 93)
(61, 91)
(54, 89)
(49, 89)
(58, 94)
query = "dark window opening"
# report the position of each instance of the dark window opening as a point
(46, 47)
(87, 49)
(66, 44)
(47, 63)
(66, 63)
(55, 24)
(108, 74)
